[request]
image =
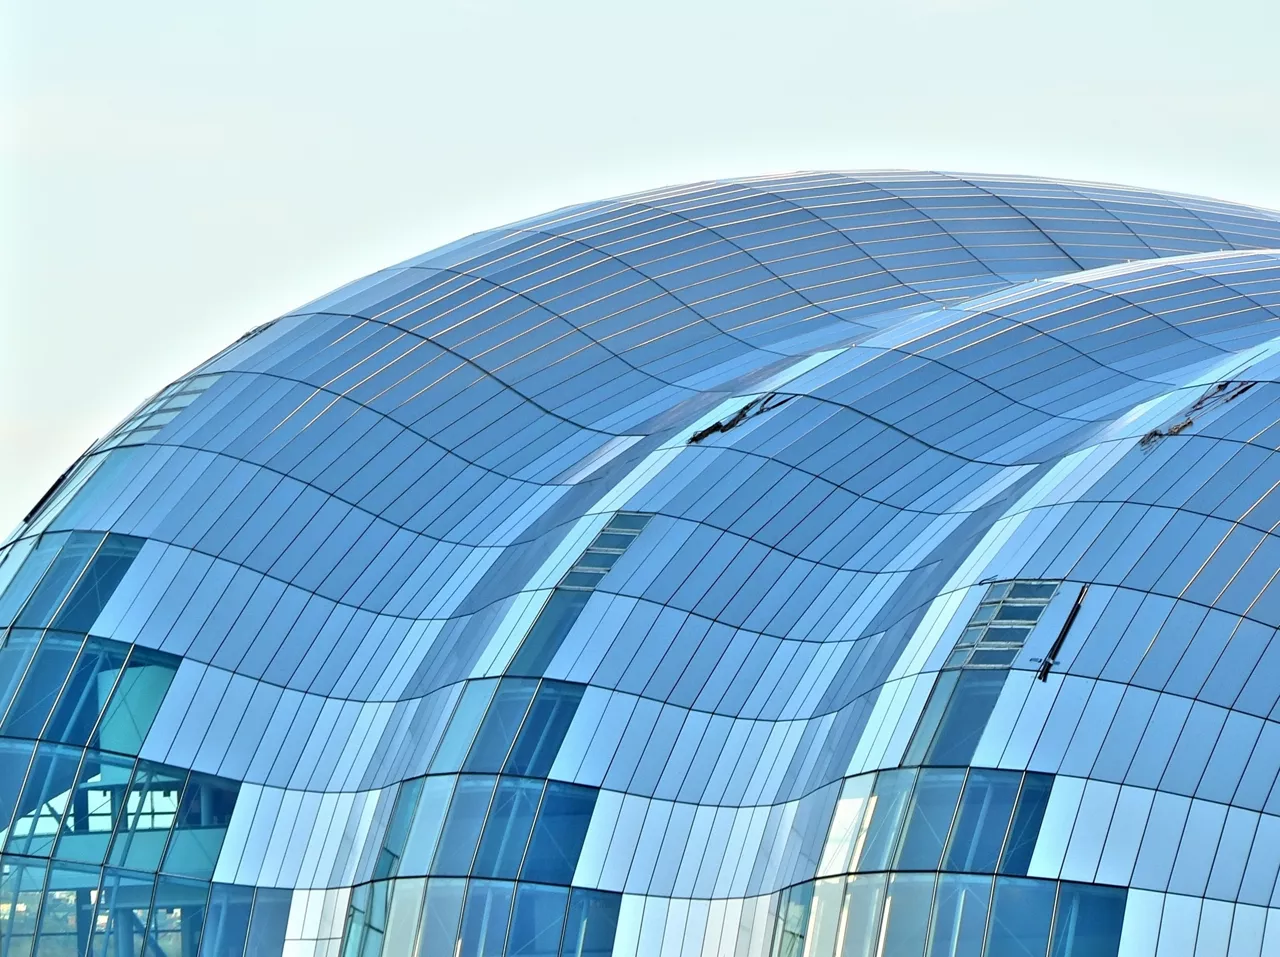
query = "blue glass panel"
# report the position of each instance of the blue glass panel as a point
(548, 631)
(388, 864)
(227, 926)
(29, 574)
(1020, 918)
(907, 905)
(14, 758)
(150, 809)
(537, 922)
(440, 916)
(558, 833)
(17, 648)
(123, 912)
(41, 685)
(136, 700)
(177, 916)
(94, 675)
(544, 729)
(21, 884)
(515, 802)
(58, 581)
(966, 717)
(462, 726)
(985, 809)
(462, 826)
(863, 904)
(269, 921)
(1088, 921)
(500, 724)
(66, 918)
(203, 815)
(792, 922)
(99, 581)
(892, 790)
(484, 920)
(1027, 815)
(933, 805)
(591, 925)
(96, 799)
(44, 800)
(959, 916)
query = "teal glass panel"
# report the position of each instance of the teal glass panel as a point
(28, 575)
(59, 580)
(201, 825)
(177, 917)
(43, 682)
(149, 812)
(388, 863)
(907, 904)
(96, 799)
(122, 915)
(136, 700)
(462, 726)
(86, 692)
(227, 926)
(863, 907)
(44, 800)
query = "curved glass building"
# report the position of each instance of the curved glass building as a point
(826, 565)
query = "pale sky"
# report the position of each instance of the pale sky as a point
(172, 174)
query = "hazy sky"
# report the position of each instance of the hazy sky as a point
(172, 174)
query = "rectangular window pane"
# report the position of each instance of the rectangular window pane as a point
(933, 806)
(96, 585)
(44, 800)
(966, 717)
(136, 699)
(441, 913)
(592, 923)
(1088, 921)
(428, 818)
(28, 575)
(203, 815)
(507, 830)
(959, 916)
(985, 809)
(96, 799)
(85, 694)
(149, 812)
(462, 827)
(558, 833)
(62, 575)
(548, 631)
(501, 722)
(1027, 816)
(462, 725)
(906, 915)
(388, 864)
(544, 729)
(863, 907)
(484, 921)
(793, 920)
(1020, 917)
(41, 686)
(884, 820)
(537, 923)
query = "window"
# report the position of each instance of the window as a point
(537, 923)
(506, 832)
(983, 820)
(558, 833)
(159, 412)
(933, 806)
(1020, 917)
(1027, 816)
(965, 717)
(1001, 623)
(1088, 921)
(462, 827)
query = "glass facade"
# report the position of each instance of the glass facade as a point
(826, 565)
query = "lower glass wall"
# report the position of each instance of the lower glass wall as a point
(899, 914)
(454, 917)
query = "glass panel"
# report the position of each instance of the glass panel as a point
(203, 816)
(484, 921)
(544, 730)
(863, 906)
(462, 725)
(15, 756)
(375, 919)
(388, 864)
(462, 826)
(420, 846)
(40, 688)
(966, 717)
(269, 921)
(66, 919)
(177, 917)
(44, 800)
(537, 922)
(885, 812)
(501, 722)
(933, 805)
(136, 700)
(405, 916)
(438, 936)
(846, 824)
(824, 917)
(548, 631)
(959, 916)
(793, 920)
(592, 922)
(507, 831)
(929, 721)
(558, 833)
(96, 799)
(86, 691)
(357, 926)
(985, 809)
(228, 923)
(123, 911)
(1020, 918)
(21, 885)
(906, 915)
(150, 808)
(98, 582)
(16, 651)
(58, 581)
(1027, 816)
(22, 584)
(1088, 921)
